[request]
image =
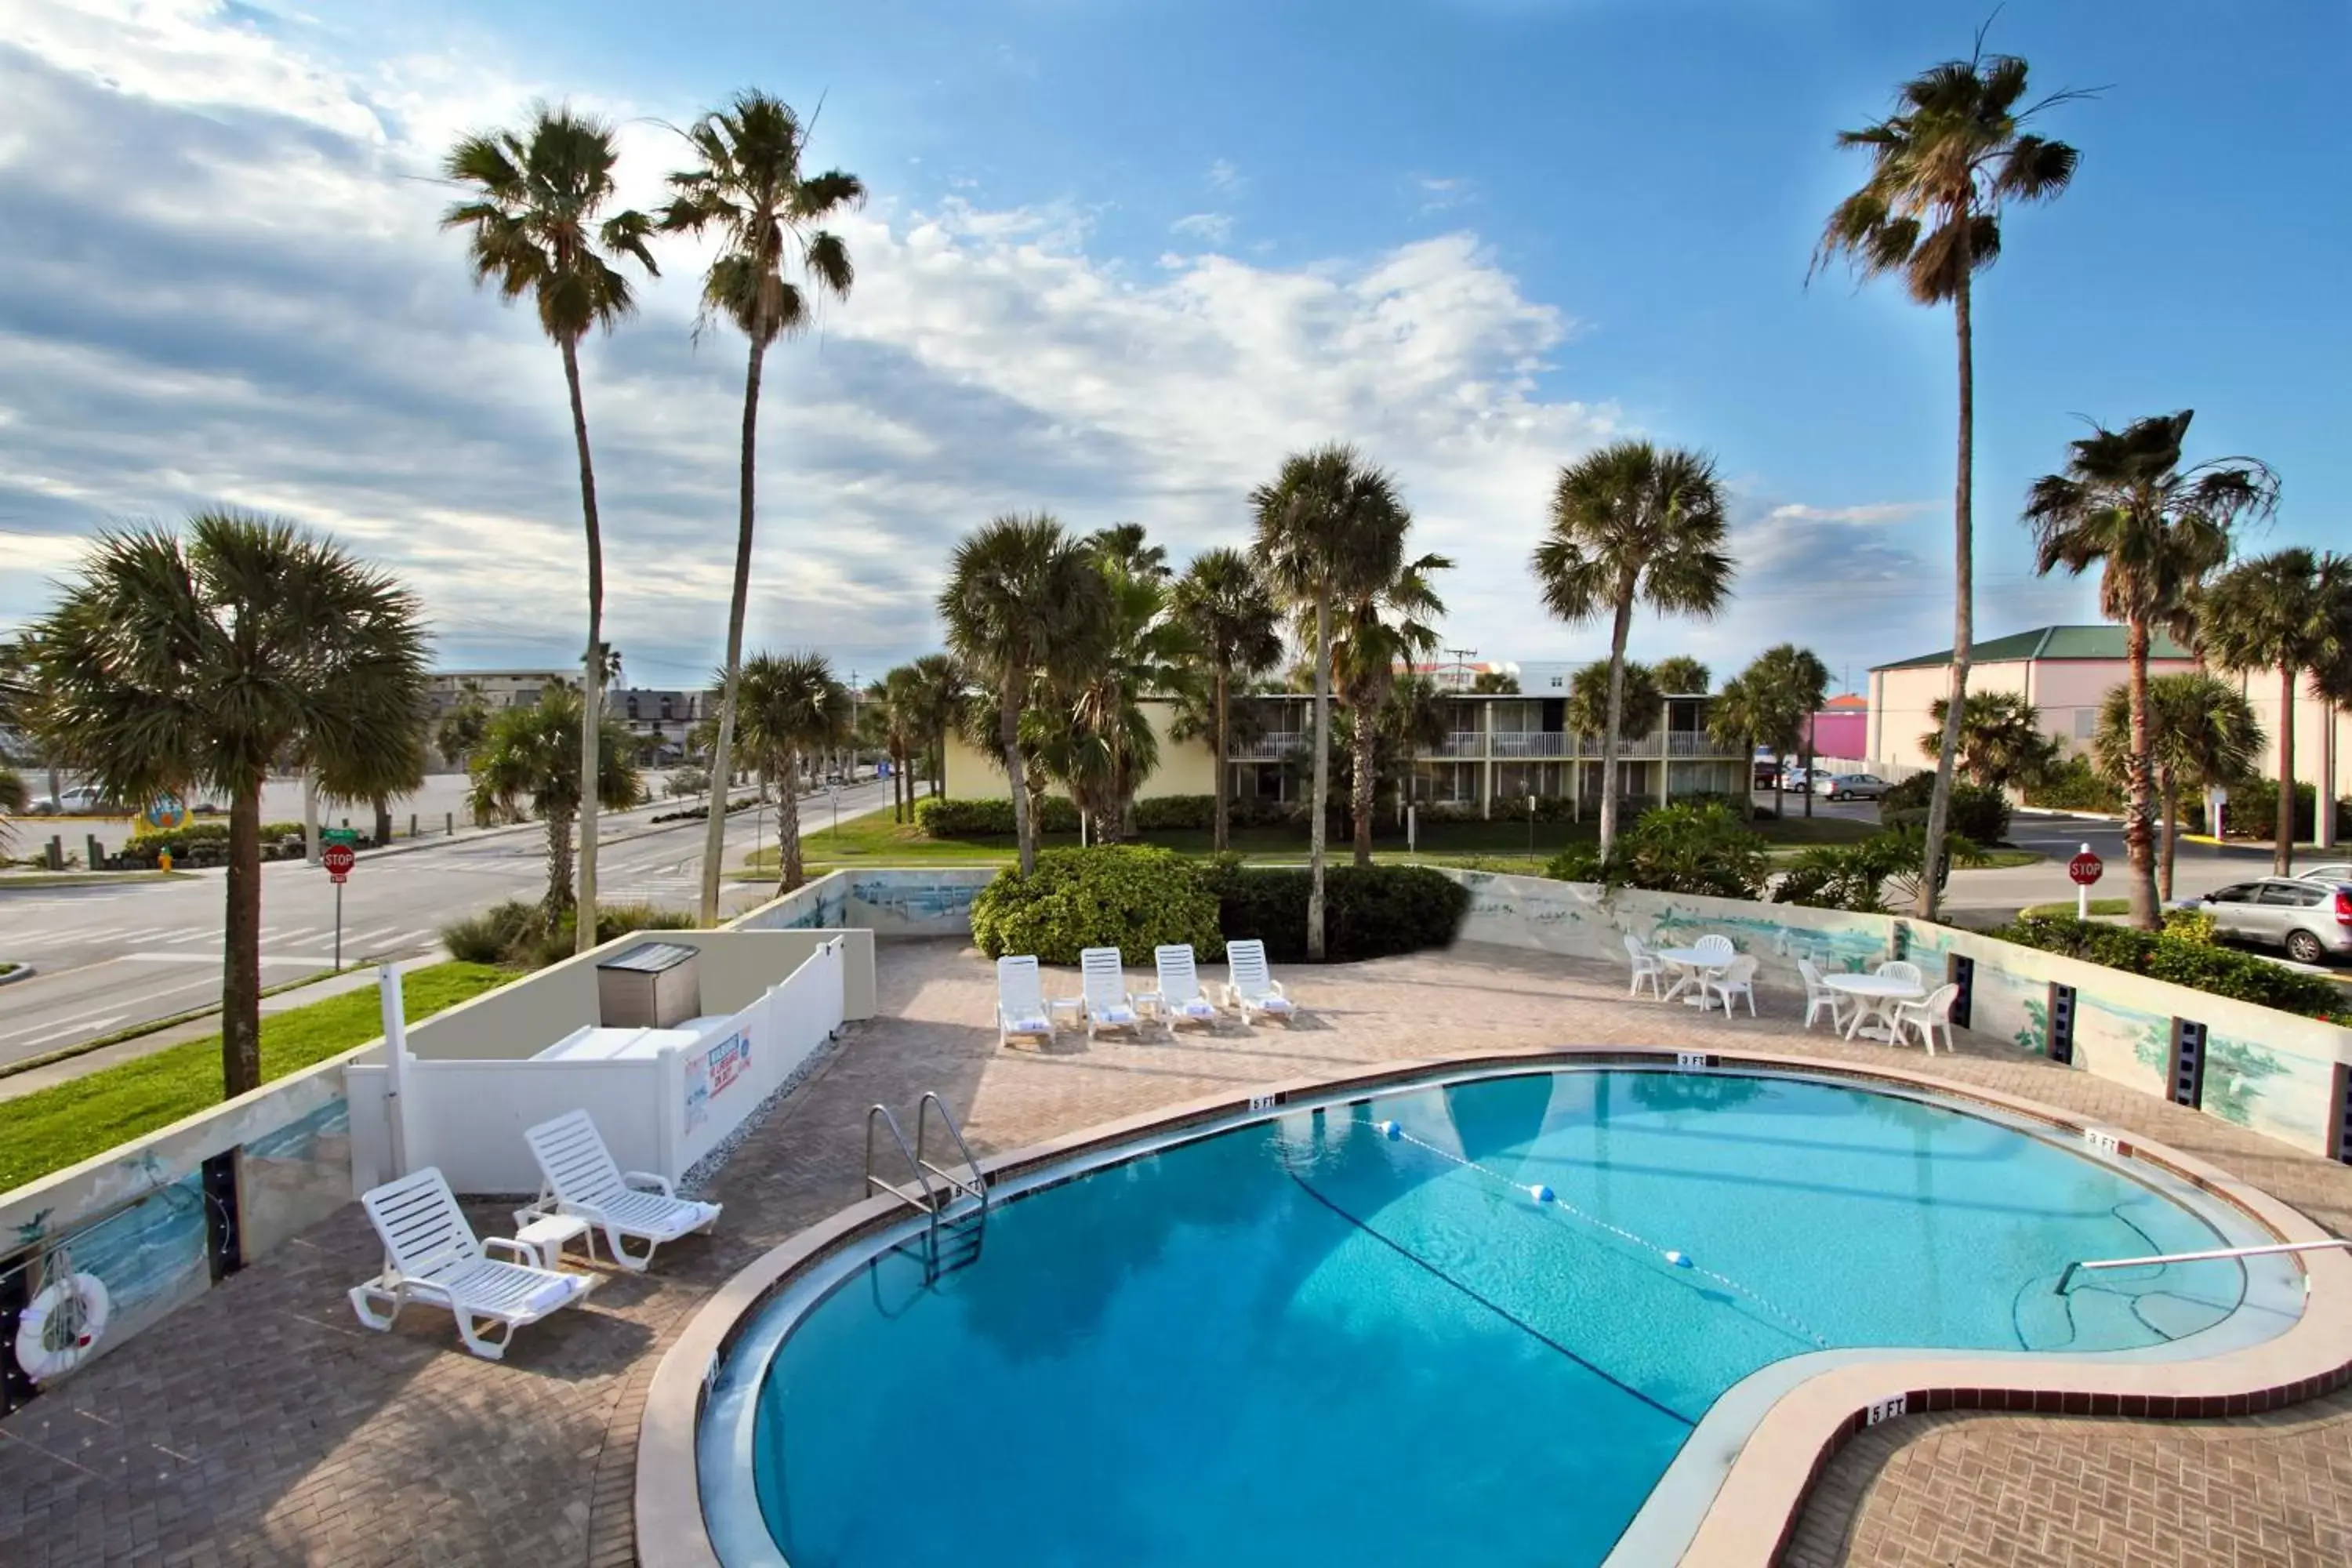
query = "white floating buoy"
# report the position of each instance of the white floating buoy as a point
(1679, 1259)
(1392, 1130)
(1540, 1193)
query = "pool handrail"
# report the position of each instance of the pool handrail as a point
(2080, 1265)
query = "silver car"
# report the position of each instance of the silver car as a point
(1850, 786)
(2313, 921)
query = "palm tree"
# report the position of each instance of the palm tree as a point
(1381, 629)
(537, 226)
(1127, 546)
(1942, 167)
(461, 728)
(1802, 683)
(1681, 675)
(1140, 651)
(1226, 606)
(2201, 733)
(1633, 523)
(899, 712)
(1021, 594)
(530, 757)
(1641, 704)
(197, 660)
(1328, 526)
(1749, 712)
(2002, 742)
(792, 707)
(750, 186)
(938, 693)
(1493, 683)
(2287, 611)
(2155, 529)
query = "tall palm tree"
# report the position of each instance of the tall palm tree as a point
(196, 660)
(1680, 675)
(537, 225)
(1802, 683)
(939, 692)
(1021, 594)
(899, 711)
(1942, 168)
(749, 185)
(1751, 711)
(793, 706)
(2201, 732)
(1633, 523)
(1227, 607)
(1328, 526)
(1127, 547)
(1381, 628)
(2287, 611)
(530, 758)
(1143, 651)
(2155, 529)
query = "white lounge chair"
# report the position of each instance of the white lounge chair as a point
(1102, 985)
(1021, 1001)
(432, 1258)
(1180, 997)
(578, 1177)
(1928, 1017)
(1737, 979)
(1250, 988)
(1899, 969)
(1817, 996)
(1645, 966)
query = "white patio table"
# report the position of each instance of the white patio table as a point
(1690, 966)
(1875, 998)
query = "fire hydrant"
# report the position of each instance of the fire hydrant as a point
(163, 859)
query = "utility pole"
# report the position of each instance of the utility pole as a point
(1462, 656)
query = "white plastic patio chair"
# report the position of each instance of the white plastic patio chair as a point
(432, 1258)
(1900, 969)
(1102, 982)
(1717, 948)
(578, 1178)
(1817, 996)
(1737, 979)
(1021, 1001)
(1250, 988)
(1928, 1017)
(1180, 987)
(1645, 966)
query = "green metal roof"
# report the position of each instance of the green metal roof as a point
(2102, 642)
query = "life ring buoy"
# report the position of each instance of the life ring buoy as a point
(61, 1326)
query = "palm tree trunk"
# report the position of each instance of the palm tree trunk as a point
(788, 832)
(1008, 735)
(2171, 782)
(1619, 630)
(1939, 804)
(1806, 755)
(592, 703)
(2139, 811)
(1316, 823)
(241, 944)
(559, 870)
(714, 838)
(1363, 785)
(2282, 840)
(1221, 814)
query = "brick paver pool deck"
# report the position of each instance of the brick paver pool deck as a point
(262, 1425)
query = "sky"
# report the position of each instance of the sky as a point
(1119, 256)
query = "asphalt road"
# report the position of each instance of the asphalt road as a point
(109, 958)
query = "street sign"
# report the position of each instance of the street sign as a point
(346, 837)
(339, 860)
(2086, 868)
(165, 813)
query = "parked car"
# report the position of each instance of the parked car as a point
(1800, 779)
(1850, 786)
(2334, 871)
(80, 798)
(2313, 921)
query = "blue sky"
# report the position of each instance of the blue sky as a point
(1119, 256)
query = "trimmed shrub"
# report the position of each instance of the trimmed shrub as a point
(941, 817)
(1368, 912)
(1265, 811)
(1678, 848)
(201, 844)
(2075, 785)
(514, 932)
(1132, 897)
(2184, 958)
(1977, 813)
(2252, 812)
(488, 937)
(1175, 813)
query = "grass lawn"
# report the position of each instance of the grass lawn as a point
(2066, 911)
(53, 1128)
(876, 840)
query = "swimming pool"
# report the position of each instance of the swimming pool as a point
(1468, 1321)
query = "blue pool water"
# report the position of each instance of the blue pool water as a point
(1308, 1339)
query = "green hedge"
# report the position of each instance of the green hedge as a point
(199, 843)
(1368, 912)
(1678, 848)
(1132, 897)
(2177, 956)
(2252, 812)
(1175, 813)
(2075, 785)
(1977, 813)
(944, 819)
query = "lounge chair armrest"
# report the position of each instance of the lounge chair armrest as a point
(648, 1180)
(1274, 986)
(522, 1250)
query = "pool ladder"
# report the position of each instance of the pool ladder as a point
(955, 1203)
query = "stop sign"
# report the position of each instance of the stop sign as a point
(2086, 868)
(338, 860)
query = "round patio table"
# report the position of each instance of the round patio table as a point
(1691, 966)
(1877, 996)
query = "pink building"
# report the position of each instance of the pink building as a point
(1842, 728)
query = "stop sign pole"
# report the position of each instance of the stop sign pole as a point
(339, 860)
(2086, 868)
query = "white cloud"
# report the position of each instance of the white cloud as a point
(1216, 228)
(1877, 512)
(1441, 194)
(1224, 176)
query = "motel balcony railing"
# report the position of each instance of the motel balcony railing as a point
(1270, 748)
(1513, 745)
